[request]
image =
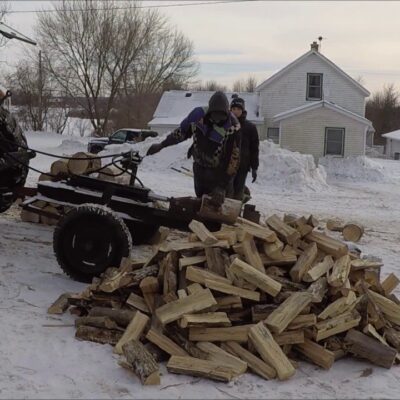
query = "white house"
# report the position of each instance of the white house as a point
(311, 106)
(392, 148)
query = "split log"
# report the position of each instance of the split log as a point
(304, 263)
(280, 318)
(165, 343)
(138, 302)
(195, 302)
(390, 283)
(149, 287)
(365, 347)
(214, 319)
(316, 353)
(254, 276)
(187, 261)
(285, 232)
(270, 351)
(98, 322)
(390, 309)
(121, 317)
(361, 264)
(97, 335)
(234, 333)
(143, 363)
(260, 312)
(215, 262)
(133, 331)
(202, 232)
(340, 271)
(60, 305)
(352, 232)
(233, 290)
(251, 255)
(318, 270)
(327, 244)
(339, 306)
(258, 231)
(170, 273)
(254, 363)
(220, 356)
(393, 337)
(202, 368)
(193, 289)
(228, 235)
(290, 337)
(303, 321)
(273, 250)
(318, 289)
(334, 225)
(227, 303)
(181, 246)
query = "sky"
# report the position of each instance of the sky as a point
(238, 39)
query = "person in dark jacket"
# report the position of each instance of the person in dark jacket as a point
(215, 149)
(249, 149)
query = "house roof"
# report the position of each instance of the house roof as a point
(319, 104)
(175, 105)
(394, 135)
(323, 58)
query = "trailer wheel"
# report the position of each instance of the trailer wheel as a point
(88, 240)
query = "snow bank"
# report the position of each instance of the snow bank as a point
(355, 169)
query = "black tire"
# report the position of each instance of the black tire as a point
(88, 240)
(141, 233)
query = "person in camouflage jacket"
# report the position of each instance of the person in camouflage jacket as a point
(215, 149)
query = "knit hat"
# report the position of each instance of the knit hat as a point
(238, 102)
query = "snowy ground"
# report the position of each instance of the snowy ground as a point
(40, 357)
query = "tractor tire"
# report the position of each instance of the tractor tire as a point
(88, 240)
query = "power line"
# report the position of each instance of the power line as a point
(183, 4)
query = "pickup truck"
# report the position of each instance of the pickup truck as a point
(127, 135)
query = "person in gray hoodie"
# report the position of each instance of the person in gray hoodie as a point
(215, 149)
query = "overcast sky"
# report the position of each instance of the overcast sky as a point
(234, 40)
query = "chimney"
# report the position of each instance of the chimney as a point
(314, 46)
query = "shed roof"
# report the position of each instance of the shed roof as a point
(394, 135)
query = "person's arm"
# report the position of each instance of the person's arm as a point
(254, 148)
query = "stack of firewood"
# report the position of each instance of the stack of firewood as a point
(250, 297)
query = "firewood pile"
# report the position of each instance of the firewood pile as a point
(250, 297)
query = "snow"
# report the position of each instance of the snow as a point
(41, 358)
(395, 135)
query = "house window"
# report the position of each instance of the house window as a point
(273, 135)
(314, 86)
(334, 141)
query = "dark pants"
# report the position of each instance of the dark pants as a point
(206, 180)
(239, 183)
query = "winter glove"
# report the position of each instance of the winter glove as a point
(218, 197)
(154, 148)
(254, 175)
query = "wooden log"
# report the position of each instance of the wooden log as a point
(149, 287)
(49, 220)
(313, 221)
(254, 363)
(327, 244)
(229, 303)
(233, 290)
(270, 351)
(170, 283)
(138, 303)
(79, 167)
(194, 288)
(318, 270)
(290, 337)
(218, 355)
(234, 333)
(334, 225)
(200, 275)
(29, 216)
(252, 256)
(195, 302)
(202, 368)
(59, 168)
(339, 306)
(352, 232)
(187, 261)
(215, 262)
(166, 247)
(133, 332)
(318, 289)
(283, 259)
(365, 347)
(303, 321)
(254, 276)
(280, 318)
(121, 317)
(60, 305)
(285, 232)
(260, 312)
(202, 232)
(229, 235)
(333, 326)
(45, 177)
(361, 264)
(393, 337)
(97, 335)
(390, 283)
(165, 343)
(273, 250)
(304, 263)
(390, 309)
(97, 322)
(340, 271)
(143, 363)
(214, 319)
(170, 297)
(316, 353)
(227, 213)
(258, 231)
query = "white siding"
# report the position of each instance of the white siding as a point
(289, 90)
(305, 132)
(392, 147)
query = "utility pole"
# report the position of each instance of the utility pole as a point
(40, 84)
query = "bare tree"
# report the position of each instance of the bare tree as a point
(383, 110)
(4, 9)
(245, 85)
(89, 52)
(210, 85)
(238, 86)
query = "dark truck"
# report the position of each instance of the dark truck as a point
(98, 144)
